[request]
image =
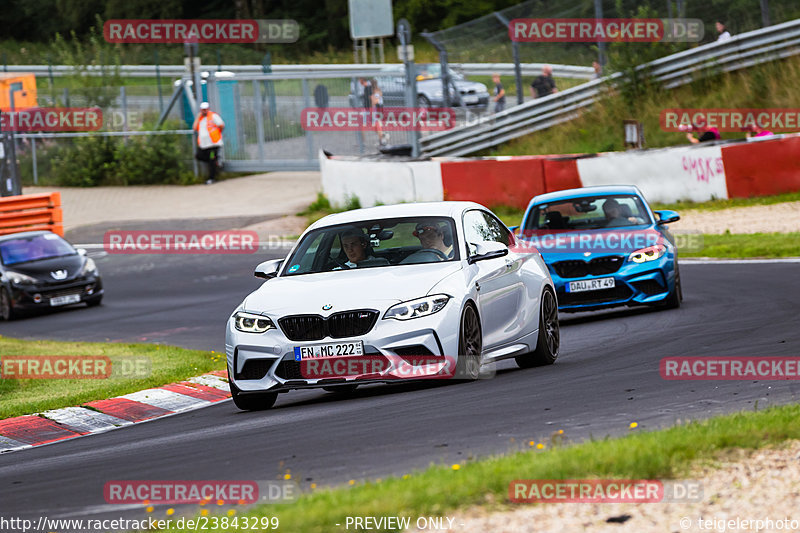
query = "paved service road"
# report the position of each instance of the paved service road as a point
(606, 377)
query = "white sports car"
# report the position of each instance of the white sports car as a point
(411, 291)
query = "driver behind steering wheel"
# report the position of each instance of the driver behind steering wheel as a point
(431, 236)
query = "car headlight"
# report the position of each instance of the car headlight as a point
(417, 308)
(89, 267)
(252, 323)
(17, 278)
(651, 253)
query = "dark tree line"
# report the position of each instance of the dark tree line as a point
(324, 23)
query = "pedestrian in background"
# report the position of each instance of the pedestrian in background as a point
(544, 85)
(598, 70)
(724, 34)
(499, 94)
(209, 126)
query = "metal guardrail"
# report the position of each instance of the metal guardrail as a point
(742, 51)
(149, 71)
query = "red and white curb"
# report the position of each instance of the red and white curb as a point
(28, 431)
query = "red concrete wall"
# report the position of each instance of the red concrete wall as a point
(561, 174)
(493, 182)
(762, 168)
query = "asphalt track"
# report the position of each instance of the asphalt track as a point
(606, 377)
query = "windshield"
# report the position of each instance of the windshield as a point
(375, 243)
(34, 248)
(589, 213)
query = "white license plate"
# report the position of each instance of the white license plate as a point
(470, 99)
(64, 300)
(318, 351)
(590, 285)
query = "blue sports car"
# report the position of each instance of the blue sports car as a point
(604, 247)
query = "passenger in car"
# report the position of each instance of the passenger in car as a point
(355, 246)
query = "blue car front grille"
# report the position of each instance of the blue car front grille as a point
(599, 266)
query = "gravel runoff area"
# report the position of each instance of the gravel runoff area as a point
(774, 218)
(747, 486)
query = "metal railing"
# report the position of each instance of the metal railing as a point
(149, 71)
(745, 50)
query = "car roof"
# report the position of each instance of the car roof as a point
(417, 209)
(583, 192)
(24, 234)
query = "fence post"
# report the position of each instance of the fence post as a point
(306, 104)
(158, 83)
(33, 156)
(124, 97)
(404, 33)
(259, 119)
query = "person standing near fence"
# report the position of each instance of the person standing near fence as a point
(544, 85)
(499, 94)
(209, 126)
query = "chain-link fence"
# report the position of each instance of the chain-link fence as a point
(486, 40)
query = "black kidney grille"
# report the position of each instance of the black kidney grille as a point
(351, 323)
(303, 327)
(599, 266)
(605, 265)
(337, 326)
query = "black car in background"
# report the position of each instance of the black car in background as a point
(39, 270)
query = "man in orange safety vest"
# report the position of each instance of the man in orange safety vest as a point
(209, 126)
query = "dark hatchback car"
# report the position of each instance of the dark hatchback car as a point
(40, 270)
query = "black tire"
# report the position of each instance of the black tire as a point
(94, 302)
(346, 389)
(423, 101)
(6, 309)
(547, 345)
(675, 297)
(470, 344)
(252, 402)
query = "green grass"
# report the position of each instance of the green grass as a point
(599, 129)
(166, 365)
(769, 245)
(441, 490)
(716, 205)
(321, 207)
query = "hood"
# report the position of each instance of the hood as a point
(42, 270)
(555, 245)
(473, 86)
(374, 288)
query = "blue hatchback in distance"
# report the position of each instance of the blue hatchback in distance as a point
(604, 247)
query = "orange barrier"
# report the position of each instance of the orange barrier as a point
(494, 182)
(31, 212)
(762, 168)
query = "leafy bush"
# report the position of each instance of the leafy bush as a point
(95, 160)
(150, 160)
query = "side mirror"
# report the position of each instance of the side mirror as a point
(488, 250)
(81, 252)
(268, 269)
(666, 216)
